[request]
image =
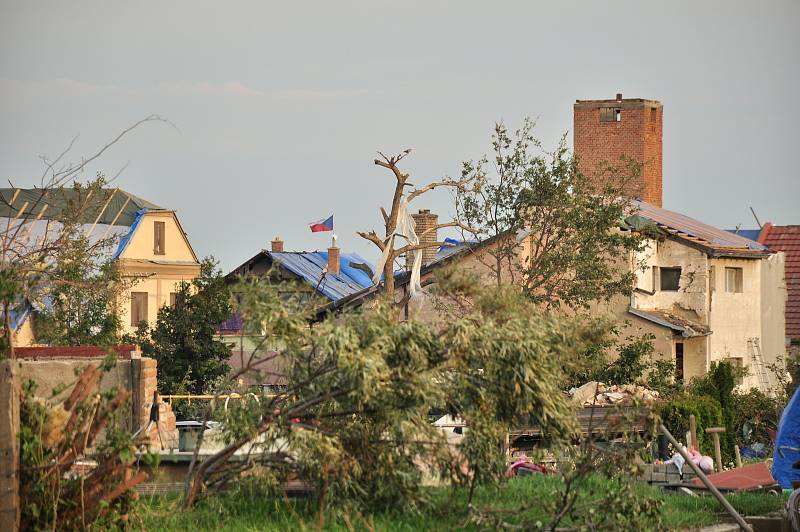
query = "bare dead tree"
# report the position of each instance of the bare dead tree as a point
(391, 219)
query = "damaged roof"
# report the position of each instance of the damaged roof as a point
(684, 327)
(716, 242)
(312, 266)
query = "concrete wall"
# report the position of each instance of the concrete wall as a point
(138, 376)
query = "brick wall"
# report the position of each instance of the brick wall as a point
(425, 222)
(165, 434)
(637, 135)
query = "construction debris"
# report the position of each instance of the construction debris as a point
(600, 394)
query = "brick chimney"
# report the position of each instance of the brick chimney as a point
(277, 245)
(426, 231)
(333, 257)
(606, 130)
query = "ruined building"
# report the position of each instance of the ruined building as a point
(704, 293)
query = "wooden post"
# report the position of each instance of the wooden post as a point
(9, 445)
(704, 479)
(738, 456)
(693, 429)
(715, 432)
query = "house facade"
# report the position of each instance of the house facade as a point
(149, 246)
(706, 295)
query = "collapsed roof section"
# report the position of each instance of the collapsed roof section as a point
(109, 206)
(678, 325)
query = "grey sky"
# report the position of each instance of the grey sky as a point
(281, 106)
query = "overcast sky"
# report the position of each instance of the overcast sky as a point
(281, 106)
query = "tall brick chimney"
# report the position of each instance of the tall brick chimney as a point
(277, 245)
(426, 231)
(333, 257)
(606, 130)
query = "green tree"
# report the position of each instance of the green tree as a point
(191, 358)
(82, 305)
(569, 225)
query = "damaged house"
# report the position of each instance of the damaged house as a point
(703, 293)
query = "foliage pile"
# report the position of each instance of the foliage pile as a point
(54, 437)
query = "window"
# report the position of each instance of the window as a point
(679, 361)
(138, 308)
(653, 114)
(610, 114)
(158, 238)
(733, 279)
(670, 279)
(173, 299)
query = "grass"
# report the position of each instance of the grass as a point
(245, 512)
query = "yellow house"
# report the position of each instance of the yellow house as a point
(150, 246)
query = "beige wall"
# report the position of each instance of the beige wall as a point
(773, 309)
(51, 374)
(176, 246)
(157, 275)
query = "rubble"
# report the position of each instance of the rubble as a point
(601, 394)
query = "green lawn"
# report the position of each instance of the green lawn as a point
(236, 511)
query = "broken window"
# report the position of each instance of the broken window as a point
(610, 114)
(158, 238)
(670, 279)
(733, 280)
(679, 361)
(138, 308)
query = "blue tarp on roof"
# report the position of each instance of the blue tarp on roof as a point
(310, 264)
(123, 242)
(752, 234)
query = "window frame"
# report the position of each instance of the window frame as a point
(141, 298)
(669, 270)
(680, 369)
(610, 114)
(738, 280)
(159, 238)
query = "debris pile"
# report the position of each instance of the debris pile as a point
(600, 394)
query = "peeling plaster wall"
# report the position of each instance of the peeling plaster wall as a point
(736, 316)
(690, 301)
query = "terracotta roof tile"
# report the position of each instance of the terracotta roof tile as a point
(786, 238)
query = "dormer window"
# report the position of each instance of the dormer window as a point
(158, 238)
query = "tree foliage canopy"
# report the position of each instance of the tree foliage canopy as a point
(191, 358)
(539, 206)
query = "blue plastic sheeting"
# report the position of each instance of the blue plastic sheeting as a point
(125, 240)
(457, 245)
(752, 234)
(18, 315)
(310, 264)
(696, 228)
(787, 444)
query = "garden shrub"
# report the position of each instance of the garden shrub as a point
(706, 410)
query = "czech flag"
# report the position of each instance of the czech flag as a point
(322, 225)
